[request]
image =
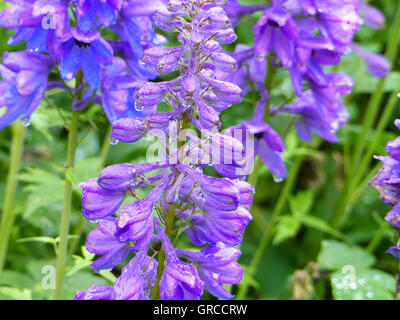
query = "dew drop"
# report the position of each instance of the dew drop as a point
(138, 107)
(277, 179)
(93, 221)
(113, 141)
(260, 58)
(25, 122)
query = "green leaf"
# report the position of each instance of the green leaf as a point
(362, 284)
(16, 294)
(15, 279)
(287, 228)
(301, 203)
(335, 255)
(323, 226)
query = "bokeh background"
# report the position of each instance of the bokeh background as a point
(306, 259)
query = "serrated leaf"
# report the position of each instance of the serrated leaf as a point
(335, 255)
(362, 284)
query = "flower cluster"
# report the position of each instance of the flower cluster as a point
(306, 38)
(387, 182)
(212, 211)
(64, 36)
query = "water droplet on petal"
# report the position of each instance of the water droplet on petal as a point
(25, 122)
(138, 107)
(277, 179)
(113, 141)
(260, 58)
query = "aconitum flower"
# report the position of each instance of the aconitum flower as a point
(175, 193)
(87, 51)
(387, 182)
(25, 78)
(69, 34)
(216, 265)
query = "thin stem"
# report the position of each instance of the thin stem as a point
(105, 148)
(7, 218)
(64, 229)
(269, 231)
(378, 237)
(161, 257)
(370, 115)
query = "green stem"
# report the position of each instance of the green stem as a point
(378, 237)
(370, 115)
(161, 257)
(105, 148)
(64, 229)
(269, 231)
(7, 218)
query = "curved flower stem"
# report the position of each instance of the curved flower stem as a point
(7, 218)
(161, 258)
(269, 231)
(64, 229)
(368, 121)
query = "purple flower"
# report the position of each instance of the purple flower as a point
(372, 17)
(88, 51)
(276, 31)
(37, 22)
(98, 202)
(93, 13)
(312, 118)
(103, 241)
(24, 84)
(387, 182)
(133, 284)
(216, 265)
(378, 65)
(96, 292)
(180, 280)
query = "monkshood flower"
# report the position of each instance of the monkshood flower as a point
(216, 265)
(36, 22)
(180, 280)
(387, 182)
(70, 34)
(182, 198)
(133, 283)
(25, 78)
(86, 51)
(378, 65)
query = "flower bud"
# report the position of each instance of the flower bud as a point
(128, 129)
(224, 61)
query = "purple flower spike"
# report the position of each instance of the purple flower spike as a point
(98, 202)
(216, 265)
(103, 241)
(96, 292)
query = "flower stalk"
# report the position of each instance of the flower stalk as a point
(8, 215)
